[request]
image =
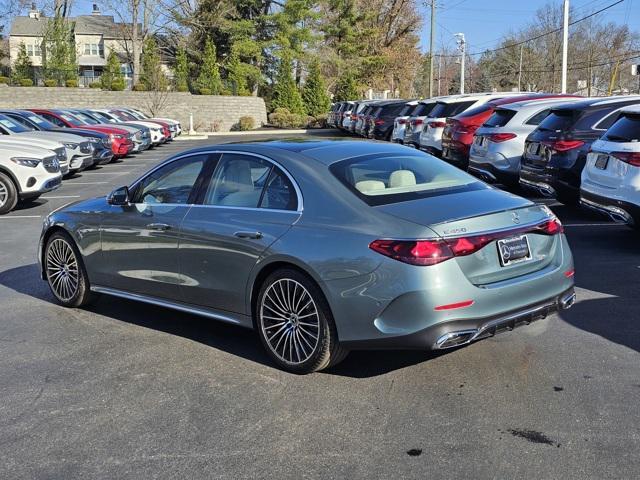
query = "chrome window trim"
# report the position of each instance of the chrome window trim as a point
(242, 152)
(613, 112)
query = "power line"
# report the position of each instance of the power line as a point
(542, 34)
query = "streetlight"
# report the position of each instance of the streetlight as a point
(462, 46)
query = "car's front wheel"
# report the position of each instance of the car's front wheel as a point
(295, 323)
(8, 194)
(65, 271)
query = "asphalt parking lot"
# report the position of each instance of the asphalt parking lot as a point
(126, 390)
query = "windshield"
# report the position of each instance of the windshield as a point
(380, 180)
(38, 122)
(499, 118)
(442, 109)
(86, 118)
(22, 121)
(626, 129)
(557, 121)
(11, 125)
(67, 117)
(422, 109)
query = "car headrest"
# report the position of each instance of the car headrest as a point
(366, 186)
(402, 178)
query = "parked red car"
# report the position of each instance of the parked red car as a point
(121, 143)
(458, 132)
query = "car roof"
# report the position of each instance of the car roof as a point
(535, 104)
(599, 101)
(477, 96)
(632, 109)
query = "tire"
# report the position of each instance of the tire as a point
(299, 338)
(8, 194)
(65, 271)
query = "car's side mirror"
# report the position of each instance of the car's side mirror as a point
(120, 196)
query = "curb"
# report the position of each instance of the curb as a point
(202, 135)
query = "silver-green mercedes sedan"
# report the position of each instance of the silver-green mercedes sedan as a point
(322, 247)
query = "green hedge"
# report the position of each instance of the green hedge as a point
(95, 85)
(50, 83)
(246, 123)
(71, 83)
(139, 87)
(4, 80)
(25, 82)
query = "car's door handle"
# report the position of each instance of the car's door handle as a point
(254, 235)
(158, 226)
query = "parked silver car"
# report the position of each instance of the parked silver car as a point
(320, 246)
(498, 144)
(400, 123)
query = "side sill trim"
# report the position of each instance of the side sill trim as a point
(223, 317)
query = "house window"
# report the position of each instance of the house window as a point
(33, 50)
(94, 49)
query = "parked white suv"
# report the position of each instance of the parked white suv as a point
(431, 135)
(611, 177)
(26, 173)
(498, 144)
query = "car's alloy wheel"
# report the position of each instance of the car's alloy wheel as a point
(290, 321)
(295, 323)
(8, 194)
(65, 271)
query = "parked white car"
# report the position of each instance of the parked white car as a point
(174, 125)
(610, 181)
(498, 144)
(155, 129)
(431, 135)
(26, 172)
(400, 123)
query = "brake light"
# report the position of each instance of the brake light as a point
(414, 252)
(632, 158)
(432, 252)
(354, 117)
(452, 306)
(564, 145)
(378, 121)
(437, 124)
(402, 121)
(501, 137)
(417, 121)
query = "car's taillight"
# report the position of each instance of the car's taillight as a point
(501, 137)
(632, 158)
(432, 252)
(414, 252)
(378, 121)
(437, 124)
(402, 121)
(354, 117)
(416, 122)
(563, 145)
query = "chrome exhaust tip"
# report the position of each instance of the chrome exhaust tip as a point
(455, 339)
(567, 301)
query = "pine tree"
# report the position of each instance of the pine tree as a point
(285, 92)
(182, 71)
(209, 78)
(112, 78)
(22, 68)
(346, 88)
(314, 94)
(153, 78)
(59, 56)
(238, 74)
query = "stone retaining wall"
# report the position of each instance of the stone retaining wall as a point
(207, 110)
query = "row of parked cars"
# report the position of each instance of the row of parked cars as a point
(578, 150)
(40, 147)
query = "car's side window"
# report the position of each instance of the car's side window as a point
(607, 121)
(238, 181)
(174, 183)
(538, 117)
(54, 120)
(279, 193)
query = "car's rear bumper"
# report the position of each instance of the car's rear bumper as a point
(617, 210)
(489, 173)
(455, 333)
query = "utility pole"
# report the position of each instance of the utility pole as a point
(462, 46)
(431, 42)
(520, 70)
(439, 72)
(565, 45)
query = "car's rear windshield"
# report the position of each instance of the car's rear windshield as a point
(499, 118)
(384, 179)
(558, 120)
(422, 109)
(442, 109)
(472, 112)
(626, 129)
(406, 110)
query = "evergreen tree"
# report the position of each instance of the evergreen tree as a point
(112, 78)
(346, 88)
(209, 77)
(182, 71)
(152, 78)
(314, 94)
(238, 76)
(59, 57)
(285, 92)
(22, 68)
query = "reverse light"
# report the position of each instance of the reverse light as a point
(26, 161)
(564, 145)
(501, 137)
(632, 158)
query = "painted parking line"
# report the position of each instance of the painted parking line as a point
(103, 173)
(7, 217)
(88, 183)
(60, 196)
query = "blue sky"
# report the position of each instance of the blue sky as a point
(485, 21)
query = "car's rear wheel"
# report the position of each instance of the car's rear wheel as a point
(8, 194)
(65, 271)
(295, 323)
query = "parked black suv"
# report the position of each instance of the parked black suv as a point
(555, 153)
(382, 117)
